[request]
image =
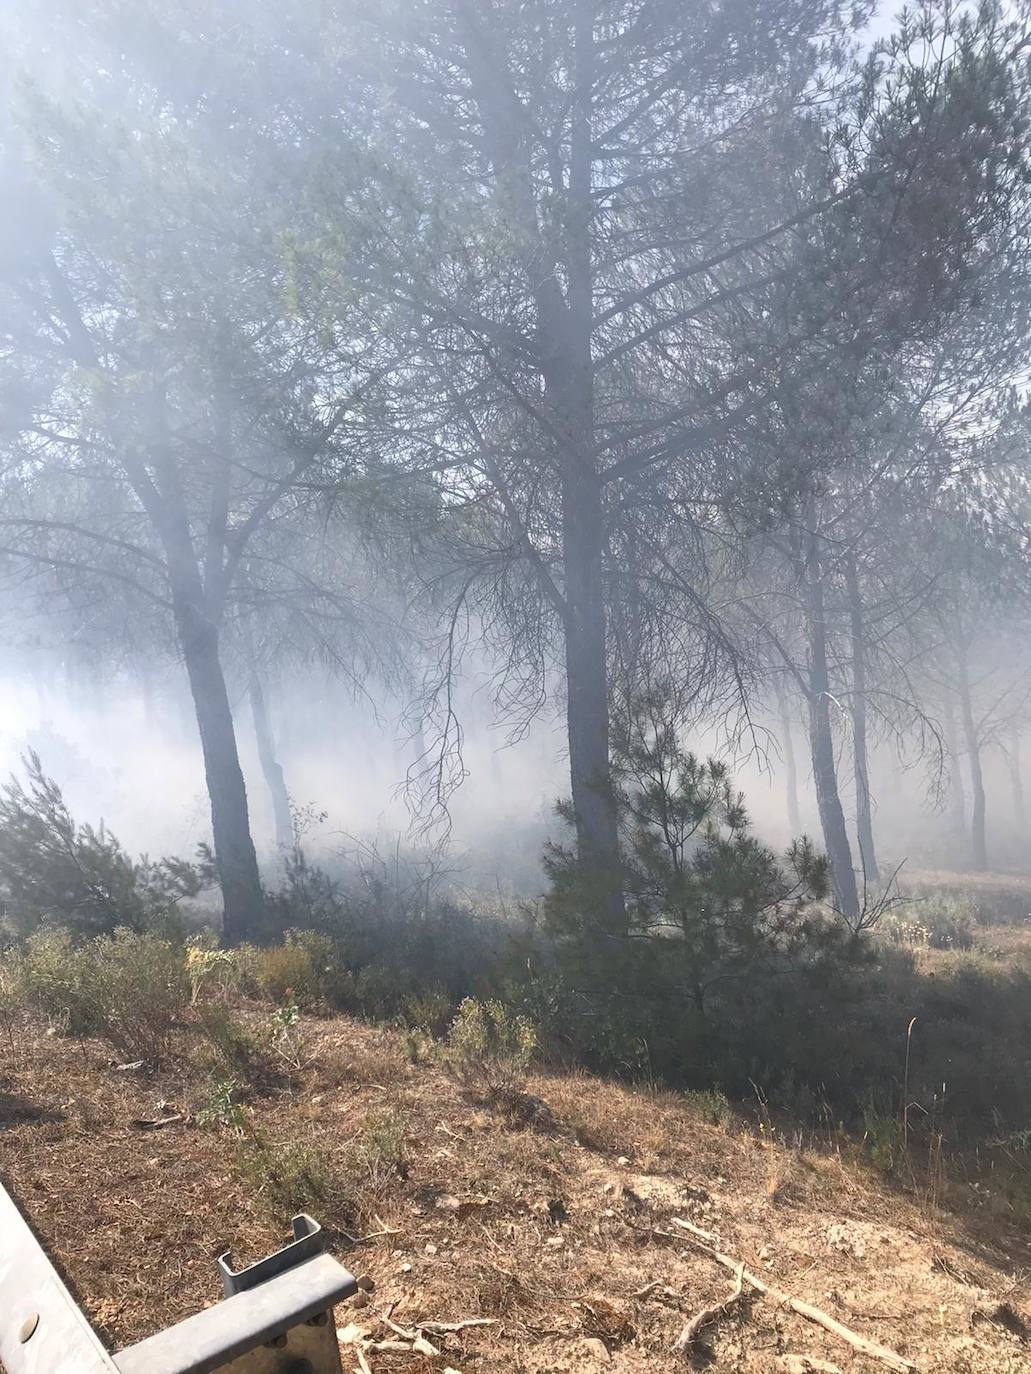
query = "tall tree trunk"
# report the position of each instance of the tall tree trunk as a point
(587, 704)
(790, 766)
(821, 743)
(978, 841)
(864, 813)
(270, 766)
(235, 859)
(583, 519)
(565, 321)
(957, 794)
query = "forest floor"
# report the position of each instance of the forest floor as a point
(558, 1225)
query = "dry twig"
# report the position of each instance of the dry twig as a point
(804, 1309)
(686, 1342)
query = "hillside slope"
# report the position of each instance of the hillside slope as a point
(558, 1226)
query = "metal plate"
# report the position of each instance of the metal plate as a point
(60, 1340)
(244, 1324)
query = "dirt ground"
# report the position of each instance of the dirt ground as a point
(558, 1227)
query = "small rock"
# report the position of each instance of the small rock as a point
(430, 1249)
(365, 1283)
(593, 1345)
(623, 1162)
(405, 1269)
(360, 1300)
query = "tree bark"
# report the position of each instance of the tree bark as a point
(270, 765)
(978, 838)
(821, 743)
(583, 518)
(864, 812)
(565, 322)
(790, 766)
(957, 795)
(235, 859)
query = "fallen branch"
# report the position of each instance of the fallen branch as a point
(709, 1236)
(687, 1341)
(419, 1346)
(363, 1363)
(155, 1124)
(804, 1309)
(660, 1291)
(450, 1328)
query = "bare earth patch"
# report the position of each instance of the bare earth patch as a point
(561, 1231)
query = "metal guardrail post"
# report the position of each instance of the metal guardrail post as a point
(276, 1317)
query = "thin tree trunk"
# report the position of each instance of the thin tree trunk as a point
(864, 813)
(565, 319)
(583, 520)
(957, 795)
(821, 743)
(790, 766)
(235, 859)
(978, 840)
(270, 765)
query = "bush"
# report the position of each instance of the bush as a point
(489, 1047)
(290, 1176)
(233, 1051)
(53, 974)
(306, 966)
(215, 974)
(382, 1148)
(708, 906)
(430, 1010)
(279, 970)
(140, 990)
(222, 1108)
(931, 923)
(53, 870)
(128, 988)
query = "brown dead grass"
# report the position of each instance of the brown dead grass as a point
(551, 1230)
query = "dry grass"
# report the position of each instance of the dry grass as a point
(552, 1231)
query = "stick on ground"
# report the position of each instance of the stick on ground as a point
(687, 1341)
(804, 1309)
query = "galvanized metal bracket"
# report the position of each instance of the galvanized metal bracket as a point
(276, 1318)
(308, 1240)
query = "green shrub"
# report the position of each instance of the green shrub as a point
(55, 871)
(382, 1148)
(282, 970)
(54, 977)
(139, 990)
(882, 1138)
(289, 1176)
(128, 988)
(708, 906)
(215, 974)
(12, 993)
(222, 1108)
(231, 1050)
(932, 923)
(713, 1106)
(430, 1009)
(489, 1047)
